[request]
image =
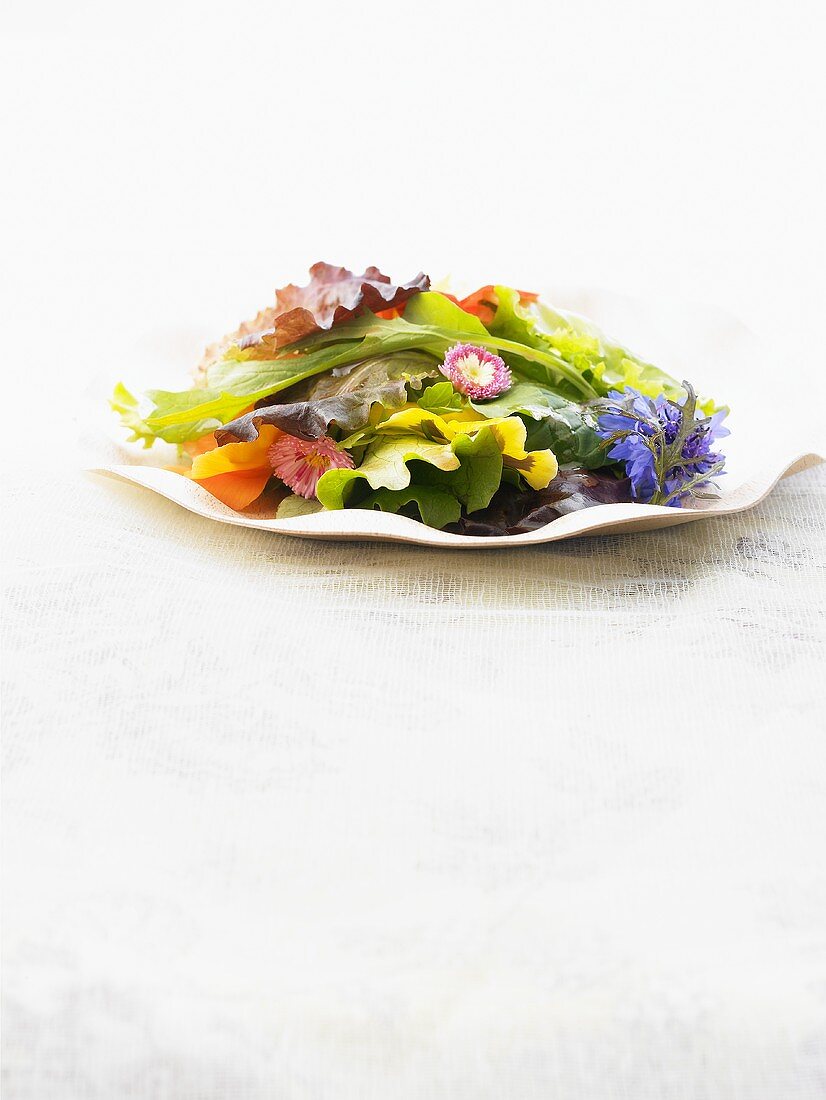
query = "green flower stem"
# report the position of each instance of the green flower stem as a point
(686, 487)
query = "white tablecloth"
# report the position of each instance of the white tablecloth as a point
(295, 819)
(299, 821)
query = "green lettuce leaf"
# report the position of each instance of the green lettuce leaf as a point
(431, 325)
(510, 334)
(478, 476)
(128, 408)
(410, 368)
(554, 423)
(384, 466)
(293, 506)
(570, 439)
(437, 507)
(243, 378)
(606, 364)
(441, 398)
(601, 362)
(561, 352)
(513, 322)
(469, 469)
(433, 310)
(233, 384)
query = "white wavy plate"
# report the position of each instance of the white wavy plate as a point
(711, 348)
(357, 523)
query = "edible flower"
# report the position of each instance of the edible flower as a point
(236, 473)
(536, 467)
(301, 462)
(484, 302)
(667, 448)
(476, 372)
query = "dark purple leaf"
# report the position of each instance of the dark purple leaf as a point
(513, 511)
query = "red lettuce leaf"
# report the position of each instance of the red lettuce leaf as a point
(332, 296)
(513, 511)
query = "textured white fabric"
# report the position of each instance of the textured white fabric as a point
(297, 821)
(302, 819)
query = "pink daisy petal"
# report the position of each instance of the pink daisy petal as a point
(476, 372)
(301, 462)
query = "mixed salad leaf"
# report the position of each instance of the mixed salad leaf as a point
(333, 295)
(491, 414)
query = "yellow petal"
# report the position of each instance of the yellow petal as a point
(538, 468)
(236, 457)
(509, 431)
(416, 420)
(236, 473)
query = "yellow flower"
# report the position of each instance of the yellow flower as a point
(538, 468)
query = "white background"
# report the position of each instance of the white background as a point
(220, 890)
(172, 163)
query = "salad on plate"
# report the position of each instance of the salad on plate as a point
(493, 414)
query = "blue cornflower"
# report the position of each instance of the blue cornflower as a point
(665, 447)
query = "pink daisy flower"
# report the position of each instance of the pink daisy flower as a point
(301, 462)
(476, 372)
